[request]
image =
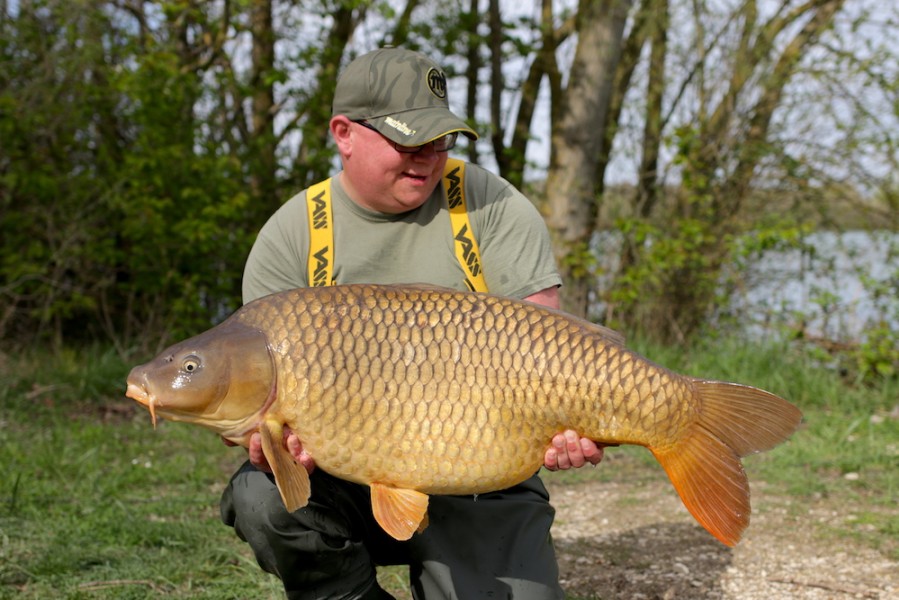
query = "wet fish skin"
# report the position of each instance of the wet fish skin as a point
(416, 391)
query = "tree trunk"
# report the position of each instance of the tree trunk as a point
(313, 162)
(472, 69)
(263, 143)
(648, 189)
(576, 145)
(494, 42)
(544, 64)
(632, 49)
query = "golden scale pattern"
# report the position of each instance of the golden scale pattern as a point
(450, 392)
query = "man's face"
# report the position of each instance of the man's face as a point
(379, 177)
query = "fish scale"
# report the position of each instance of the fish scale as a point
(484, 360)
(416, 391)
(394, 425)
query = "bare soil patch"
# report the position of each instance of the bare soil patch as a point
(619, 541)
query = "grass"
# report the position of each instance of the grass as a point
(96, 504)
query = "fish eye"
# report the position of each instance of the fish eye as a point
(190, 364)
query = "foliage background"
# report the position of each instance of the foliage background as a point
(144, 142)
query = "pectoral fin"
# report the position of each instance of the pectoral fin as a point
(291, 478)
(400, 512)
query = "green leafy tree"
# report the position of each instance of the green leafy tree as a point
(143, 143)
(670, 280)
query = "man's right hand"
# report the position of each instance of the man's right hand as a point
(291, 441)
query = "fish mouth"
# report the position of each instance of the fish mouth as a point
(140, 394)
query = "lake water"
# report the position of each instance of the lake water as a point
(843, 283)
(826, 286)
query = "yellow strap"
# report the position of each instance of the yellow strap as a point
(321, 235)
(466, 247)
(321, 230)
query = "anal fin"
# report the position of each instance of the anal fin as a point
(291, 478)
(399, 512)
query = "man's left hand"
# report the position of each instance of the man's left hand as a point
(569, 450)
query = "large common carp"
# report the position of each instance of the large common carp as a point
(415, 391)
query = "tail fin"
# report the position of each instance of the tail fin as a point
(704, 465)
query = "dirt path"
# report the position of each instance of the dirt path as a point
(621, 541)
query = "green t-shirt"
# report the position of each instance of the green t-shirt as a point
(412, 247)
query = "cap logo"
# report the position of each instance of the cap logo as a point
(437, 83)
(399, 126)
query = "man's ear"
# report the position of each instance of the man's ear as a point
(341, 131)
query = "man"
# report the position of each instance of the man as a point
(393, 128)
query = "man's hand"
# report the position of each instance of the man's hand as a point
(569, 450)
(294, 446)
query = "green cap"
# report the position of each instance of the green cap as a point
(401, 93)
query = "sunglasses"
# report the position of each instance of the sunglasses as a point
(444, 143)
